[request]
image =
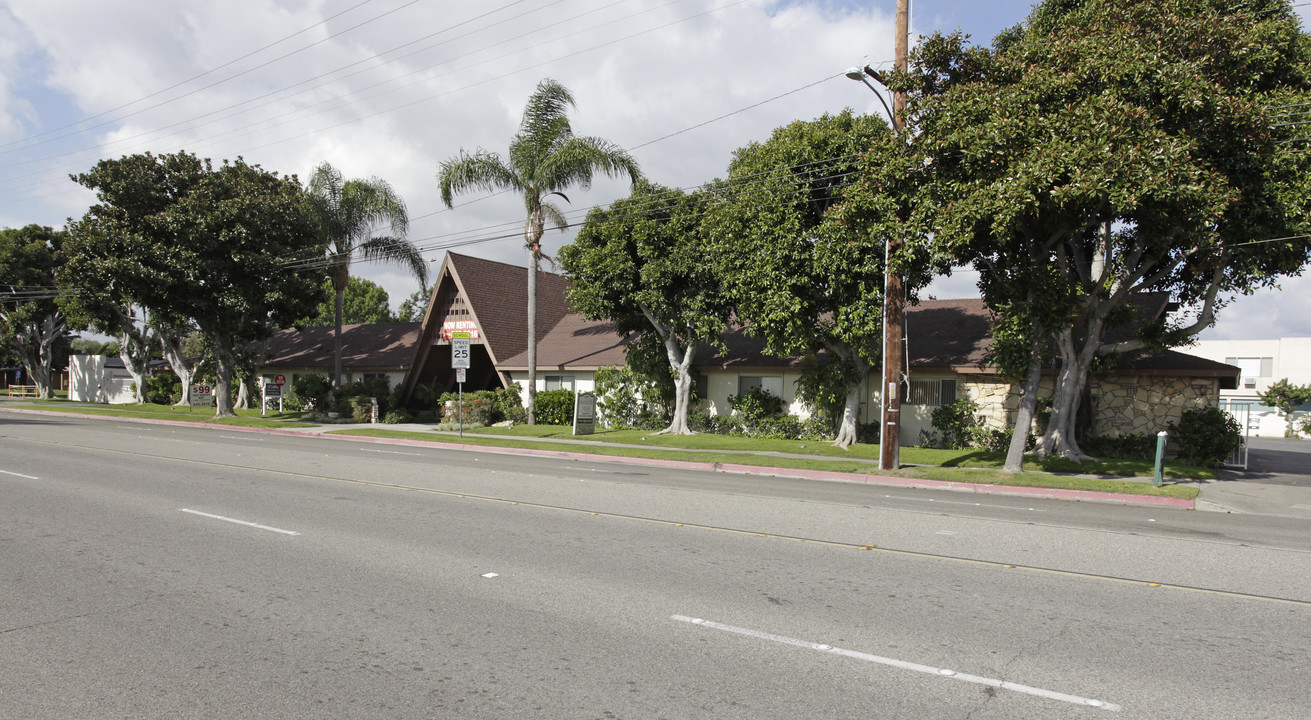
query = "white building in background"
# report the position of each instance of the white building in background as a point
(99, 379)
(1263, 363)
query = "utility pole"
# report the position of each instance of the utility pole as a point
(894, 298)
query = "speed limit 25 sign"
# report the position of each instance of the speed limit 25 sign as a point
(460, 350)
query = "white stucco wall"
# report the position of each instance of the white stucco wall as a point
(89, 380)
(1290, 358)
(584, 380)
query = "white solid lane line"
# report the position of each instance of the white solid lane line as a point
(902, 664)
(240, 522)
(21, 475)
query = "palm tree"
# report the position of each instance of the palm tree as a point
(545, 159)
(348, 212)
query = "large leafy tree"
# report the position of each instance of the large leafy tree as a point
(545, 159)
(348, 212)
(413, 307)
(805, 278)
(33, 319)
(118, 257)
(364, 301)
(203, 246)
(1129, 147)
(641, 263)
(1288, 398)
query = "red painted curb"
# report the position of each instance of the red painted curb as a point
(882, 480)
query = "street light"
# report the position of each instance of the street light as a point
(894, 300)
(856, 73)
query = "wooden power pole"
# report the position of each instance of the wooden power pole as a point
(894, 297)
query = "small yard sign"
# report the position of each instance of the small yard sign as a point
(585, 414)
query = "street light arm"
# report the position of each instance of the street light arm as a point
(858, 74)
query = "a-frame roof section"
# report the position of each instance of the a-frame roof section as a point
(496, 295)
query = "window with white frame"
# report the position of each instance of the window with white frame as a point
(1252, 368)
(931, 392)
(772, 384)
(560, 382)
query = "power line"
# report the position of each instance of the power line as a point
(247, 129)
(230, 77)
(303, 82)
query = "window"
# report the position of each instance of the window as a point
(701, 384)
(1251, 368)
(772, 384)
(931, 392)
(560, 382)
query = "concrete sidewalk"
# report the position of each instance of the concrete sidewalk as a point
(1231, 495)
(1225, 495)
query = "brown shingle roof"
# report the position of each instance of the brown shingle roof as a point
(574, 342)
(498, 294)
(375, 346)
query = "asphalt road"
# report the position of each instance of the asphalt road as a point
(1274, 461)
(165, 572)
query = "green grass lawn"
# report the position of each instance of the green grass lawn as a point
(245, 418)
(966, 466)
(969, 466)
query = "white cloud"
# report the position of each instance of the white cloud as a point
(429, 79)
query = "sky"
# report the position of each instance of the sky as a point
(392, 88)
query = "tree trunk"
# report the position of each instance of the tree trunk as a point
(847, 435)
(243, 393)
(680, 361)
(134, 351)
(532, 338)
(1059, 438)
(223, 362)
(172, 346)
(51, 329)
(848, 425)
(339, 282)
(1024, 418)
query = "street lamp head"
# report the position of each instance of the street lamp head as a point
(856, 73)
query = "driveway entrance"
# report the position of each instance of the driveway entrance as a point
(1275, 461)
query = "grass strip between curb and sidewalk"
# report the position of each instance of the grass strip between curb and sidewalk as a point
(964, 467)
(982, 476)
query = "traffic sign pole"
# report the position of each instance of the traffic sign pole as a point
(460, 351)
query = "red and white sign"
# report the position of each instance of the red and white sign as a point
(279, 380)
(450, 327)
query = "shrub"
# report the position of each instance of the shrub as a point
(781, 427)
(958, 424)
(626, 398)
(1134, 446)
(476, 410)
(1206, 436)
(816, 427)
(315, 391)
(555, 407)
(753, 407)
(397, 416)
(163, 388)
(455, 427)
(507, 404)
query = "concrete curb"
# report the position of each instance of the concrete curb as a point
(879, 480)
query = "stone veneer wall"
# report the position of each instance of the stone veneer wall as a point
(998, 400)
(1121, 405)
(1131, 404)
